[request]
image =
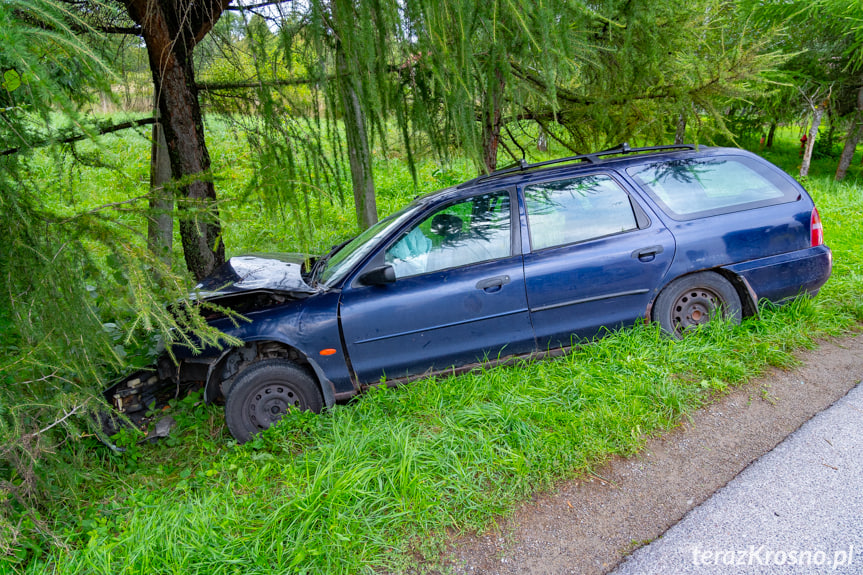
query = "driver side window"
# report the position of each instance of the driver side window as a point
(467, 232)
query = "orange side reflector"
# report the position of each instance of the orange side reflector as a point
(328, 351)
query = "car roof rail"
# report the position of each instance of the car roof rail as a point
(592, 158)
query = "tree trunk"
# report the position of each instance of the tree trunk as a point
(810, 142)
(492, 117)
(171, 29)
(359, 153)
(680, 134)
(855, 131)
(160, 224)
(541, 139)
(770, 134)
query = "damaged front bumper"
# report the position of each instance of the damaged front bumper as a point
(141, 398)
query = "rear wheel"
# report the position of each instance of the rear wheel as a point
(264, 392)
(694, 300)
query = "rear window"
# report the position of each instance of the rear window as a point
(698, 187)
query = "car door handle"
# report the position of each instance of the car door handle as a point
(647, 254)
(492, 284)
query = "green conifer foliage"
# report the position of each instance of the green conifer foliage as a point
(76, 290)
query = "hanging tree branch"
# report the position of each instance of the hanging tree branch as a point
(220, 86)
(78, 137)
(128, 30)
(256, 6)
(107, 25)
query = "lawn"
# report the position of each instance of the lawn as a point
(381, 483)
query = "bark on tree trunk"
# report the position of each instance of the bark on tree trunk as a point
(680, 134)
(810, 142)
(770, 134)
(171, 29)
(160, 224)
(855, 131)
(542, 139)
(492, 121)
(359, 154)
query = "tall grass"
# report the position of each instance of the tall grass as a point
(359, 487)
(386, 479)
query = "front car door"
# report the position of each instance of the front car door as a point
(459, 295)
(596, 257)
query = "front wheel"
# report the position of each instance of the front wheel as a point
(264, 392)
(694, 300)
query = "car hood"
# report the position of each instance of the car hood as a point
(275, 273)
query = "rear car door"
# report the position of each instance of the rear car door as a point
(459, 295)
(597, 257)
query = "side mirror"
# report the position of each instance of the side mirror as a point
(378, 276)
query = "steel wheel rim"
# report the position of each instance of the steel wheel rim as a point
(269, 403)
(694, 307)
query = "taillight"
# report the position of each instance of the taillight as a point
(816, 230)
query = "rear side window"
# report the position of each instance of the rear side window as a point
(576, 210)
(698, 187)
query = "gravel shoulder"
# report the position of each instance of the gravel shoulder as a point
(591, 524)
(795, 510)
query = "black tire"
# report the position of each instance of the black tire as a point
(694, 300)
(266, 391)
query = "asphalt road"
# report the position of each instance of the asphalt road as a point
(797, 509)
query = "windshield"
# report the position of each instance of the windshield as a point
(344, 260)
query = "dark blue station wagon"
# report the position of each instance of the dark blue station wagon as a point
(524, 261)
